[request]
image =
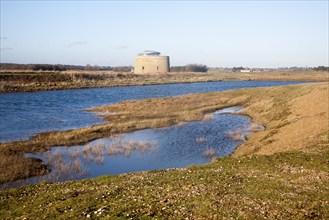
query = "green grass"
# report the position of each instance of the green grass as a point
(290, 185)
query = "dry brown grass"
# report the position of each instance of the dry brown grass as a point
(22, 81)
(298, 76)
(275, 107)
(16, 167)
(297, 118)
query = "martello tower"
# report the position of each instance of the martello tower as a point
(151, 62)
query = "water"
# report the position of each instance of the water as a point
(25, 114)
(172, 147)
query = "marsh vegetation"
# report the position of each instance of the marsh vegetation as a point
(269, 105)
(29, 81)
(151, 149)
(280, 172)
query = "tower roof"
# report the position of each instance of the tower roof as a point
(149, 53)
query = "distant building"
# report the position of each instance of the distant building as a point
(246, 71)
(151, 62)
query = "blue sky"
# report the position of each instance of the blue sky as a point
(214, 33)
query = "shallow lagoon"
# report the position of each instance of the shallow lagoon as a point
(172, 147)
(25, 114)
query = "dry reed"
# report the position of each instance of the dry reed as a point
(201, 139)
(209, 153)
(236, 135)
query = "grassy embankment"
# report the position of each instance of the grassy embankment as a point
(29, 81)
(281, 172)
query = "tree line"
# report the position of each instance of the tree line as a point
(237, 69)
(321, 68)
(50, 67)
(189, 68)
(61, 67)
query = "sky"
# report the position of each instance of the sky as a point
(213, 33)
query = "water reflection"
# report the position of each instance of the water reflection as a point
(72, 162)
(124, 147)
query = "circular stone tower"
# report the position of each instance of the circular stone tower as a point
(151, 62)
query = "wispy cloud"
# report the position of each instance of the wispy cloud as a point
(6, 48)
(122, 47)
(3, 38)
(77, 43)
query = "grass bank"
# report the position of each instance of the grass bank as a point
(29, 81)
(281, 186)
(281, 172)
